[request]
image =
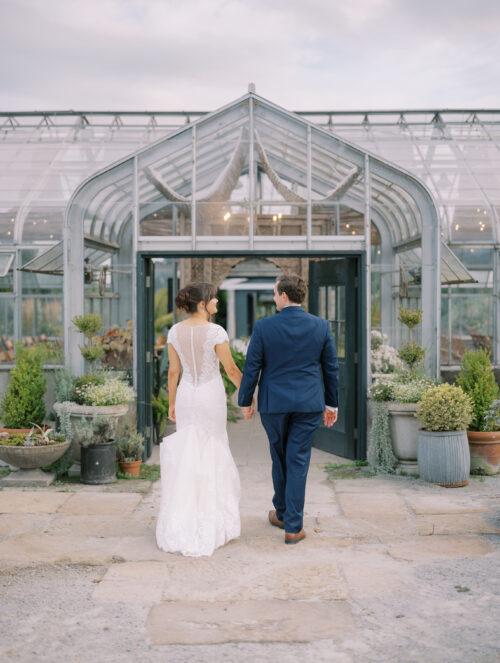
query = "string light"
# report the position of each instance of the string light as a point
(227, 216)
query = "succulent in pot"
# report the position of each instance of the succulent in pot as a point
(444, 411)
(37, 448)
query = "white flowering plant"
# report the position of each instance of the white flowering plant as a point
(111, 392)
(384, 358)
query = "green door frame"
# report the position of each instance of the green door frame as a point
(144, 312)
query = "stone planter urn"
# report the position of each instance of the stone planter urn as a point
(32, 458)
(484, 451)
(79, 412)
(444, 457)
(405, 429)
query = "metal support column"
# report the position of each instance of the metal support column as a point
(193, 189)
(368, 268)
(309, 186)
(251, 177)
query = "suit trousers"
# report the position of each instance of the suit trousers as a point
(290, 439)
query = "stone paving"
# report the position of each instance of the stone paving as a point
(392, 570)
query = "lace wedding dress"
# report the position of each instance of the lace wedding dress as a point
(200, 484)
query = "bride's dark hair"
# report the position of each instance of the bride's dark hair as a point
(189, 297)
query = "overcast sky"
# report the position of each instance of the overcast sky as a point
(199, 55)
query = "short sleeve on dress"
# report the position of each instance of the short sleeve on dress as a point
(171, 335)
(221, 336)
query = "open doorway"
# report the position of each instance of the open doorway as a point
(245, 291)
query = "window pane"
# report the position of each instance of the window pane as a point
(471, 321)
(7, 330)
(42, 324)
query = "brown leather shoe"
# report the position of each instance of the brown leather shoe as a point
(294, 537)
(274, 520)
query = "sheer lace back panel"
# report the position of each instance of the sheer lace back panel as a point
(195, 346)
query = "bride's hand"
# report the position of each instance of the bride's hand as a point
(171, 412)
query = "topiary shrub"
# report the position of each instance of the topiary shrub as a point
(444, 408)
(23, 405)
(477, 379)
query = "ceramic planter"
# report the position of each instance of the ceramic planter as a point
(31, 458)
(484, 451)
(404, 433)
(444, 457)
(79, 412)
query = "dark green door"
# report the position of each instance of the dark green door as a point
(145, 342)
(333, 295)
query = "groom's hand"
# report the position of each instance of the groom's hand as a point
(248, 412)
(329, 417)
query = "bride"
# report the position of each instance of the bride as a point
(200, 484)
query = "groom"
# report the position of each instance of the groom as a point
(294, 354)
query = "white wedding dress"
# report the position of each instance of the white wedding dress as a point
(200, 484)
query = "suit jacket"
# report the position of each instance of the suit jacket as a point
(294, 354)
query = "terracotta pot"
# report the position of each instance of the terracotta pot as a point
(484, 451)
(133, 467)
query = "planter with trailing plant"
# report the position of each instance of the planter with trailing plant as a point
(38, 448)
(444, 412)
(129, 450)
(400, 397)
(477, 379)
(96, 394)
(23, 406)
(98, 451)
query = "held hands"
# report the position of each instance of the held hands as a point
(249, 411)
(329, 417)
(171, 412)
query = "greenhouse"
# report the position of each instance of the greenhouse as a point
(112, 212)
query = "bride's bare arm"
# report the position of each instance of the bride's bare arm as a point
(174, 373)
(223, 351)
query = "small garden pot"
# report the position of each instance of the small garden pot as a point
(132, 467)
(444, 457)
(484, 451)
(98, 464)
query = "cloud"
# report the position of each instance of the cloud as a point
(152, 54)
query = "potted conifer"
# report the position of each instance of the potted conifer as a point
(477, 379)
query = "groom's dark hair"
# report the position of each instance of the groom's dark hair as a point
(294, 286)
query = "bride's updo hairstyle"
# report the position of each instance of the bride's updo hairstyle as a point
(189, 297)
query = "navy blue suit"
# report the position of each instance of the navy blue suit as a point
(292, 357)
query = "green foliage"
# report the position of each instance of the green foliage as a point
(63, 384)
(92, 353)
(23, 404)
(129, 445)
(410, 317)
(492, 417)
(89, 324)
(160, 406)
(61, 466)
(444, 408)
(411, 353)
(477, 379)
(380, 453)
(37, 437)
(100, 430)
(148, 473)
(239, 360)
(381, 391)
